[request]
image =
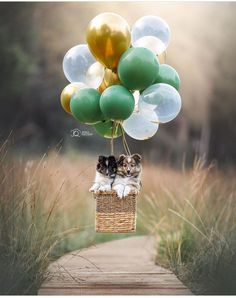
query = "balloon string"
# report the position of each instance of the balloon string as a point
(112, 147)
(125, 143)
(123, 138)
(127, 147)
(112, 139)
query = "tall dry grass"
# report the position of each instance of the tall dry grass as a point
(46, 211)
(37, 198)
(192, 215)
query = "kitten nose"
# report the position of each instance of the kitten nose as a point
(128, 171)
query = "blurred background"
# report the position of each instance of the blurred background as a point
(35, 37)
(45, 207)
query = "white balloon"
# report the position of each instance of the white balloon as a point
(94, 75)
(160, 103)
(139, 128)
(151, 32)
(79, 65)
(136, 95)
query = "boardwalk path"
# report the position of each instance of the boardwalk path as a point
(118, 267)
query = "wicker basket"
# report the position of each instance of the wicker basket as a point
(114, 215)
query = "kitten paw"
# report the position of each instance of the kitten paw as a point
(91, 189)
(127, 190)
(94, 188)
(119, 190)
(105, 187)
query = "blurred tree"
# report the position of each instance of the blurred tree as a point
(222, 110)
(35, 36)
(17, 62)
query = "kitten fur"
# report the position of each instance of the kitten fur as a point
(128, 177)
(105, 173)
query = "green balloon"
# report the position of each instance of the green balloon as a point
(137, 68)
(85, 106)
(117, 103)
(106, 129)
(168, 75)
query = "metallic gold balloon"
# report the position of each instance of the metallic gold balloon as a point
(162, 57)
(68, 92)
(110, 78)
(102, 87)
(108, 37)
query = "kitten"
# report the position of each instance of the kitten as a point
(105, 174)
(128, 177)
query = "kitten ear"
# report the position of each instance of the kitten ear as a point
(137, 157)
(121, 158)
(112, 158)
(101, 158)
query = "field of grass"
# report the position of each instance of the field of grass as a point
(46, 211)
(192, 216)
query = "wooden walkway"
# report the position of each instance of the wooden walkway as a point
(118, 267)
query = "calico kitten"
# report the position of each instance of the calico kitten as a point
(128, 178)
(105, 173)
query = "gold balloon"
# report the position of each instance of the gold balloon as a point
(108, 37)
(162, 57)
(68, 92)
(110, 78)
(102, 87)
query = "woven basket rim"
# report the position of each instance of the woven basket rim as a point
(113, 193)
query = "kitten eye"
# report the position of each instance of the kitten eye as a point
(132, 166)
(125, 166)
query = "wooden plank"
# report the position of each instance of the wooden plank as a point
(137, 279)
(117, 291)
(118, 267)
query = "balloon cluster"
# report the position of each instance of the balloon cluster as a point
(118, 81)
